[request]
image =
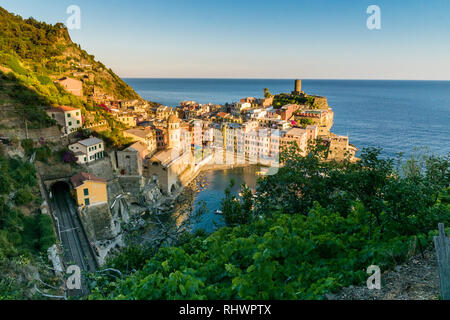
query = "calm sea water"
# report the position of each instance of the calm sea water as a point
(213, 193)
(394, 115)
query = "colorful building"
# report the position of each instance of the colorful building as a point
(89, 189)
(72, 86)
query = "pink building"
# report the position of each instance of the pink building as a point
(72, 86)
(300, 136)
(288, 111)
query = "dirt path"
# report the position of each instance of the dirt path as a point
(417, 279)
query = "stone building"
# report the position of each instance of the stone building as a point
(130, 162)
(340, 148)
(170, 169)
(298, 86)
(266, 102)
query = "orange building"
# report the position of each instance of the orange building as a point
(89, 189)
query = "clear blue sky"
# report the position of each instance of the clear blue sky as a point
(258, 38)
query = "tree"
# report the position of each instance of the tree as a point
(267, 93)
(235, 212)
(5, 184)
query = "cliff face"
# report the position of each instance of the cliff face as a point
(33, 55)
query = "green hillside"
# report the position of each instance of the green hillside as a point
(33, 55)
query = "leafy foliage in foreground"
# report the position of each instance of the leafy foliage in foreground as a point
(315, 228)
(22, 237)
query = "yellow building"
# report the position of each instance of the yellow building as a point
(127, 119)
(89, 189)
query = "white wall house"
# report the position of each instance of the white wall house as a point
(68, 118)
(88, 150)
(241, 106)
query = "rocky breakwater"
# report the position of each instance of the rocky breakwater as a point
(173, 216)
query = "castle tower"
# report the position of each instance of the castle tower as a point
(298, 86)
(174, 132)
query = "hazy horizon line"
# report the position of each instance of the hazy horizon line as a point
(303, 79)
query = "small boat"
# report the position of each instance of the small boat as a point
(218, 212)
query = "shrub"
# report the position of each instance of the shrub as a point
(43, 153)
(46, 234)
(23, 196)
(28, 146)
(44, 80)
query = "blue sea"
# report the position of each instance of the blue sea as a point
(397, 116)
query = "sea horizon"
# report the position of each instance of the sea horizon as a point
(289, 79)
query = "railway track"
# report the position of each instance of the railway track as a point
(75, 244)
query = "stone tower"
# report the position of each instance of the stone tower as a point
(174, 132)
(298, 86)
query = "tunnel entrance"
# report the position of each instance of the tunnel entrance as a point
(60, 187)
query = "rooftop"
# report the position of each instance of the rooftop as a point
(90, 142)
(141, 133)
(138, 146)
(165, 156)
(64, 109)
(80, 178)
(296, 132)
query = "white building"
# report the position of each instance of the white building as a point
(68, 118)
(88, 150)
(257, 113)
(241, 106)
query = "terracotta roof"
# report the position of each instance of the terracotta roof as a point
(63, 109)
(79, 179)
